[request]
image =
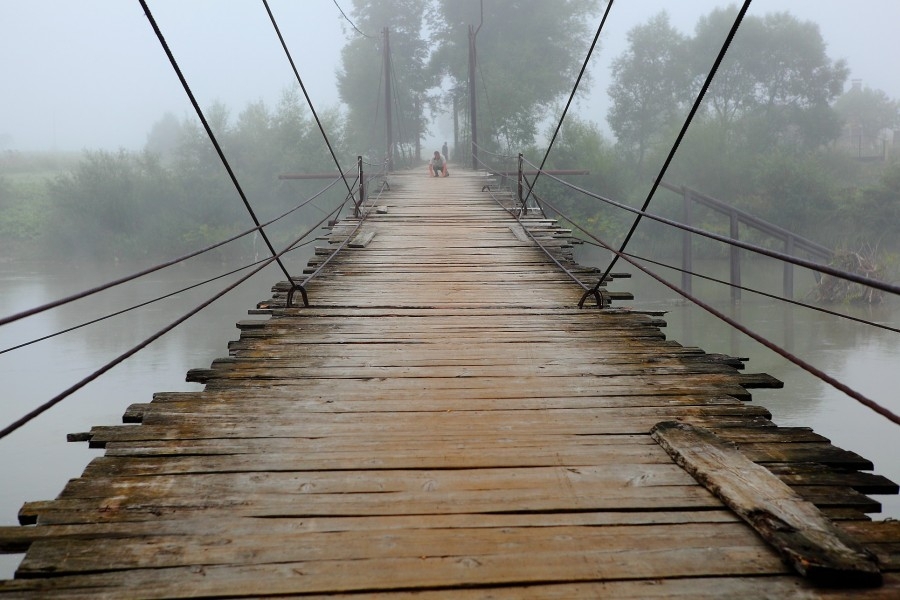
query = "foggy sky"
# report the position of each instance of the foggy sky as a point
(90, 74)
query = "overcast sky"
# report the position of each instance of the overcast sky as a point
(90, 74)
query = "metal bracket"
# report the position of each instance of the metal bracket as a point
(290, 297)
(599, 295)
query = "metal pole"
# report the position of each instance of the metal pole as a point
(521, 159)
(788, 278)
(473, 119)
(388, 115)
(455, 128)
(687, 255)
(362, 183)
(735, 260)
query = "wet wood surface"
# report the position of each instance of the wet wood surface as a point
(442, 422)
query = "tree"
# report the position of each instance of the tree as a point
(649, 81)
(163, 136)
(776, 77)
(360, 81)
(866, 113)
(529, 55)
(774, 86)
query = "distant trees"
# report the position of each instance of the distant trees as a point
(360, 82)
(867, 113)
(175, 195)
(775, 86)
(529, 54)
(649, 86)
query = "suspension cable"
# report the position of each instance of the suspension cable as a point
(820, 309)
(862, 399)
(518, 217)
(828, 270)
(115, 282)
(569, 102)
(18, 423)
(363, 216)
(305, 95)
(135, 276)
(400, 116)
(681, 134)
(143, 304)
(352, 24)
(209, 132)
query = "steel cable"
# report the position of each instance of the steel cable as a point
(681, 134)
(142, 304)
(31, 415)
(305, 95)
(820, 309)
(116, 282)
(569, 102)
(861, 398)
(209, 132)
(874, 283)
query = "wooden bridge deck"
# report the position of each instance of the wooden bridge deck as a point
(441, 423)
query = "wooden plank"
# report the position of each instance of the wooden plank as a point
(806, 540)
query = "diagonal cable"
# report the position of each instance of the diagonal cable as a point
(33, 414)
(352, 24)
(569, 103)
(116, 282)
(796, 260)
(745, 288)
(681, 134)
(306, 95)
(809, 368)
(209, 132)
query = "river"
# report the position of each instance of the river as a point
(37, 461)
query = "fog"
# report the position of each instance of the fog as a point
(91, 74)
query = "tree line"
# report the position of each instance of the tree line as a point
(779, 133)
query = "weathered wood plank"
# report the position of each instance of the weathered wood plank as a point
(804, 538)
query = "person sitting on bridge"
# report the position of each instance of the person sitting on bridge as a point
(438, 165)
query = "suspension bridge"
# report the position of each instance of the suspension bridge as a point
(442, 418)
(445, 404)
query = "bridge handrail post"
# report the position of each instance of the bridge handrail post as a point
(735, 258)
(520, 176)
(788, 277)
(362, 183)
(687, 256)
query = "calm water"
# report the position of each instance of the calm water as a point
(37, 461)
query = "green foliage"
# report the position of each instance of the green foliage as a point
(529, 54)
(866, 113)
(360, 81)
(176, 196)
(648, 80)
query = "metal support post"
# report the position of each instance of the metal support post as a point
(388, 115)
(362, 183)
(687, 254)
(735, 260)
(519, 175)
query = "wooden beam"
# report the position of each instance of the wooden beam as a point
(804, 538)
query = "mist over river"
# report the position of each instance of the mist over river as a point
(37, 461)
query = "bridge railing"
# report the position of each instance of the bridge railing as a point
(792, 241)
(734, 242)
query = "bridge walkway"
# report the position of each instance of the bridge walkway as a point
(441, 422)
